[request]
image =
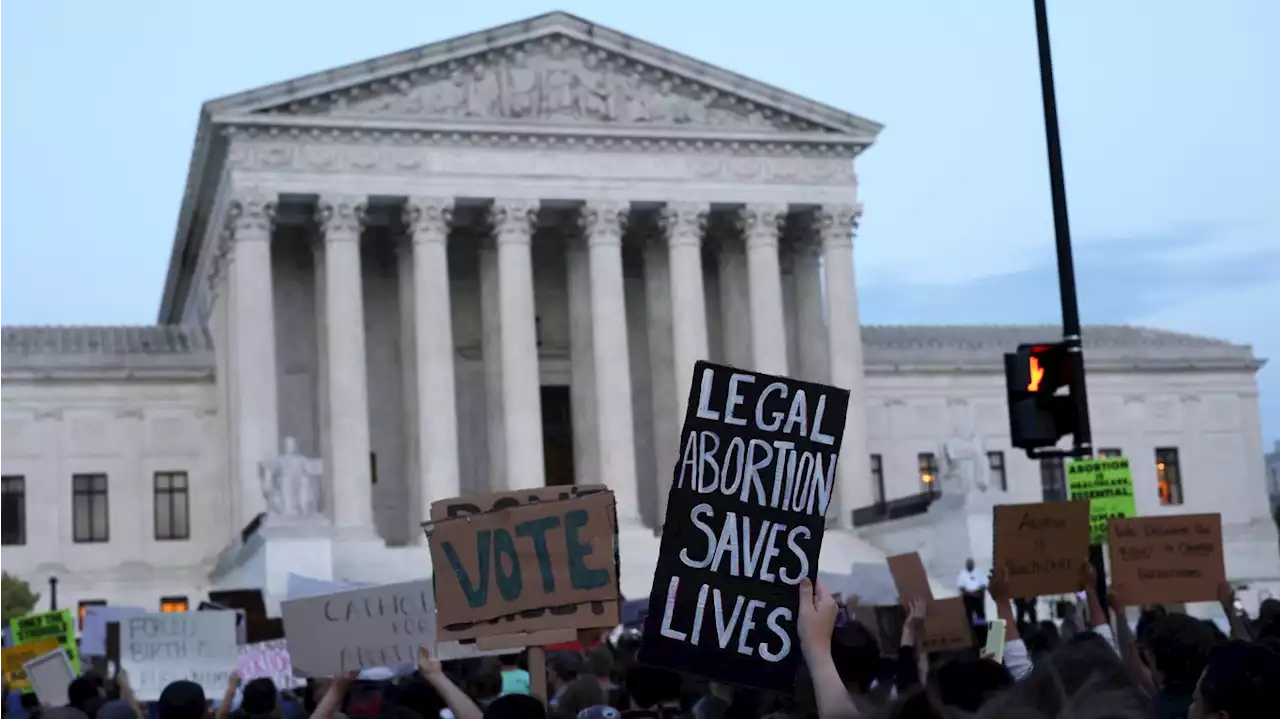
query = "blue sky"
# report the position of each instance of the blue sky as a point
(1168, 112)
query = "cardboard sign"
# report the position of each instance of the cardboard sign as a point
(524, 568)
(1107, 484)
(157, 649)
(382, 626)
(946, 626)
(910, 578)
(1167, 560)
(269, 660)
(50, 674)
(1042, 545)
(58, 623)
(745, 517)
(93, 634)
(16, 656)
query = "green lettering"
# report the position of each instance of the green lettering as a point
(509, 583)
(580, 576)
(536, 530)
(477, 595)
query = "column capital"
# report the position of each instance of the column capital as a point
(684, 222)
(837, 223)
(513, 220)
(251, 214)
(602, 223)
(341, 217)
(427, 220)
(762, 224)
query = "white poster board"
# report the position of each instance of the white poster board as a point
(93, 633)
(50, 675)
(157, 649)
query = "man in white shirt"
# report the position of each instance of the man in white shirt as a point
(972, 586)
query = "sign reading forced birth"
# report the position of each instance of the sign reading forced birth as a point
(521, 568)
(1108, 485)
(744, 524)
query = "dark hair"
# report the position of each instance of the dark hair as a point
(515, 706)
(181, 700)
(1179, 647)
(1241, 680)
(968, 683)
(856, 654)
(1083, 677)
(485, 681)
(648, 686)
(599, 662)
(509, 660)
(579, 694)
(82, 691)
(565, 665)
(259, 696)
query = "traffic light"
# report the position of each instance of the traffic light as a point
(1038, 414)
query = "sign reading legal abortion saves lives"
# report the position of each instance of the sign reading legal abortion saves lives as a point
(157, 649)
(744, 524)
(382, 626)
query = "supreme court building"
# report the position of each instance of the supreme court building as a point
(490, 263)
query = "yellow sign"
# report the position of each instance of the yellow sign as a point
(14, 657)
(1108, 485)
(59, 623)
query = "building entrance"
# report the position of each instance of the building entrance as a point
(557, 435)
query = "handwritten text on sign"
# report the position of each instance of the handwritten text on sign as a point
(744, 524)
(157, 649)
(267, 660)
(58, 623)
(527, 557)
(362, 628)
(1107, 484)
(1164, 560)
(1041, 546)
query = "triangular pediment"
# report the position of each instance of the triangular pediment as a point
(556, 70)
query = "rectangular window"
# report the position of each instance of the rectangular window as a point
(13, 510)
(173, 605)
(1053, 479)
(1168, 475)
(89, 508)
(877, 477)
(84, 607)
(927, 464)
(995, 462)
(172, 506)
(1106, 452)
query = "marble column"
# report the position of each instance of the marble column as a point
(836, 225)
(429, 220)
(513, 222)
(661, 360)
(762, 225)
(491, 350)
(813, 348)
(582, 382)
(251, 219)
(683, 224)
(603, 224)
(408, 354)
(734, 284)
(340, 219)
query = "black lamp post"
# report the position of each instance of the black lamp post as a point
(53, 593)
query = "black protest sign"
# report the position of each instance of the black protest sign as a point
(744, 523)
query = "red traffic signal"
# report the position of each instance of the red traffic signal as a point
(1038, 414)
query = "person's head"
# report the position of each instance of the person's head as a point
(86, 694)
(181, 700)
(583, 692)
(486, 681)
(856, 654)
(969, 682)
(1082, 678)
(599, 663)
(968, 564)
(1178, 646)
(515, 706)
(1240, 681)
(564, 667)
(647, 686)
(259, 697)
(509, 661)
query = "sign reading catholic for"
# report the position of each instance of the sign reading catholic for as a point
(744, 525)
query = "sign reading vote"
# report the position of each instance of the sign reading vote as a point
(1108, 485)
(157, 649)
(744, 524)
(524, 558)
(1167, 560)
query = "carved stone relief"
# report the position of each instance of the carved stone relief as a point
(553, 79)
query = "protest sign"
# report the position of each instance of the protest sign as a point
(1042, 545)
(50, 674)
(910, 578)
(157, 649)
(946, 626)
(269, 660)
(16, 656)
(1166, 560)
(58, 623)
(525, 558)
(93, 634)
(1107, 484)
(542, 624)
(745, 517)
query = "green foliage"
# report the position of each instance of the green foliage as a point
(16, 597)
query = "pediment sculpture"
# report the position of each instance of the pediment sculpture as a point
(555, 80)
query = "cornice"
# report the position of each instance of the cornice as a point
(91, 374)
(1099, 366)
